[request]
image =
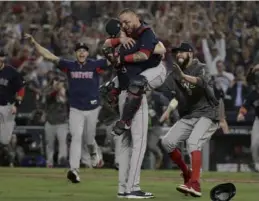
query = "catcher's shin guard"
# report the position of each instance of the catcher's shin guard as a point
(136, 90)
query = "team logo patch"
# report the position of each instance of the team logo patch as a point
(93, 102)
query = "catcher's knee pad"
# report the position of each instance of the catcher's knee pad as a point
(138, 85)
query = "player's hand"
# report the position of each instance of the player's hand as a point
(178, 70)
(13, 109)
(30, 38)
(127, 42)
(240, 117)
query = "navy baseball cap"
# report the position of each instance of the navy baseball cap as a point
(223, 192)
(184, 47)
(81, 45)
(113, 27)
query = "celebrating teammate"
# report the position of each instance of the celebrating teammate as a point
(11, 94)
(140, 68)
(83, 79)
(199, 116)
(252, 101)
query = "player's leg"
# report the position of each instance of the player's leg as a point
(90, 133)
(149, 79)
(50, 135)
(135, 92)
(177, 134)
(62, 132)
(155, 76)
(7, 124)
(152, 143)
(123, 152)
(76, 126)
(139, 142)
(255, 142)
(85, 155)
(203, 129)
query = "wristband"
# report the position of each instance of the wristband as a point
(129, 58)
(115, 42)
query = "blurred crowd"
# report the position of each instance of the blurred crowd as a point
(225, 36)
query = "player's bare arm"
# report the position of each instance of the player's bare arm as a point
(43, 51)
(171, 107)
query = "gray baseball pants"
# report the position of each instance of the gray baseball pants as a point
(7, 124)
(255, 140)
(132, 144)
(196, 131)
(78, 121)
(59, 131)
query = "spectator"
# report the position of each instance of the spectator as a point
(217, 52)
(223, 78)
(237, 93)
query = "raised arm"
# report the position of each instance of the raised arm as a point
(41, 50)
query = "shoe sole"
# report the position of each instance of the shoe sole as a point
(194, 193)
(183, 189)
(139, 197)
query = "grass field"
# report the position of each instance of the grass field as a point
(31, 184)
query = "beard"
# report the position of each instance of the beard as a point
(183, 62)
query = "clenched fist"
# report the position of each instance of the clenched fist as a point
(30, 38)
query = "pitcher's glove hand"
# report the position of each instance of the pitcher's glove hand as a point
(178, 71)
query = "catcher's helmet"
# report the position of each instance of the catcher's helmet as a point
(113, 27)
(223, 192)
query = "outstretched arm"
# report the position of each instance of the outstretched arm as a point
(41, 50)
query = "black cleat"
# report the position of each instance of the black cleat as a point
(139, 195)
(73, 176)
(121, 195)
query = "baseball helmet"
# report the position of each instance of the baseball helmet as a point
(223, 192)
(113, 27)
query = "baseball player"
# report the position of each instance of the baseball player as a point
(198, 119)
(252, 100)
(83, 96)
(11, 95)
(140, 68)
(56, 125)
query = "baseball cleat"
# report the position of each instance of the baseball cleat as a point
(73, 176)
(195, 189)
(95, 160)
(186, 177)
(183, 188)
(139, 195)
(121, 195)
